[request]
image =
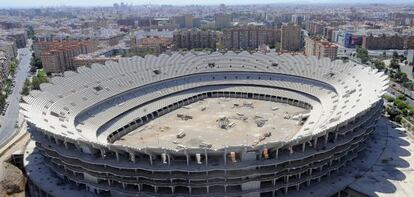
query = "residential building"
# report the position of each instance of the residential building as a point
(320, 48)
(57, 56)
(184, 21)
(222, 20)
(383, 42)
(298, 20)
(195, 38)
(291, 37)
(410, 57)
(154, 44)
(250, 37)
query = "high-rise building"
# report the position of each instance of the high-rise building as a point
(315, 27)
(298, 20)
(222, 20)
(328, 33)
(19, 37)
(291, 37)
(250, 37)
(184, 21)
(195, 38)
(410, 57)
(320, 48)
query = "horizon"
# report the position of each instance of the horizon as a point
(109, 3)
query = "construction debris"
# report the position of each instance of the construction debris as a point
(205, 145)
(184, 117)
(223, 122)
(275, 108)
(181, 134)
(260, 121)
(248, 104)
(286, 116)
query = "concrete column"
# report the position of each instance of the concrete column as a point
(315, 142)
(187, 158)
(297, 187)
(66, 144)
(290, 149)
(208, 189)
(117, 155)
(286, 190)
(303, 147)
(139, 187)
(336, 136)
(168, 159)
(102, 153)
(225, 156)
(150, 158)
(310, 171)
(206, 156)
(277, 153)
(123, 185)
(326, 138)
(132, 156)
(109, 182)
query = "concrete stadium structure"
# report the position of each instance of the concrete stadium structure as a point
(90, 126)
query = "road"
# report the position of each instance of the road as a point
(8, 121)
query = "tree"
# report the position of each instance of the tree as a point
(394, 64)
(35, 83)
(26, 87)
(36, 63)
(362, 54)
(395, 55)
(380, 65)
(2, 101)
(30, 32)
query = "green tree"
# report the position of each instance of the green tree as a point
(35, 83)
(2, 101)
(380, 65)
(362, 54)
(26, 87)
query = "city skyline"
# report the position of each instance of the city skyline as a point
(80, 3)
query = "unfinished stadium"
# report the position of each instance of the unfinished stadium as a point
(233, 124)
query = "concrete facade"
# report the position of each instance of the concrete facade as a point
(75, 134)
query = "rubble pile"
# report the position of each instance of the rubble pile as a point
(260, 121)
(184, 117)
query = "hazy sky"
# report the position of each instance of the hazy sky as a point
(38, 3)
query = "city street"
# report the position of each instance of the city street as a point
(11, 117)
